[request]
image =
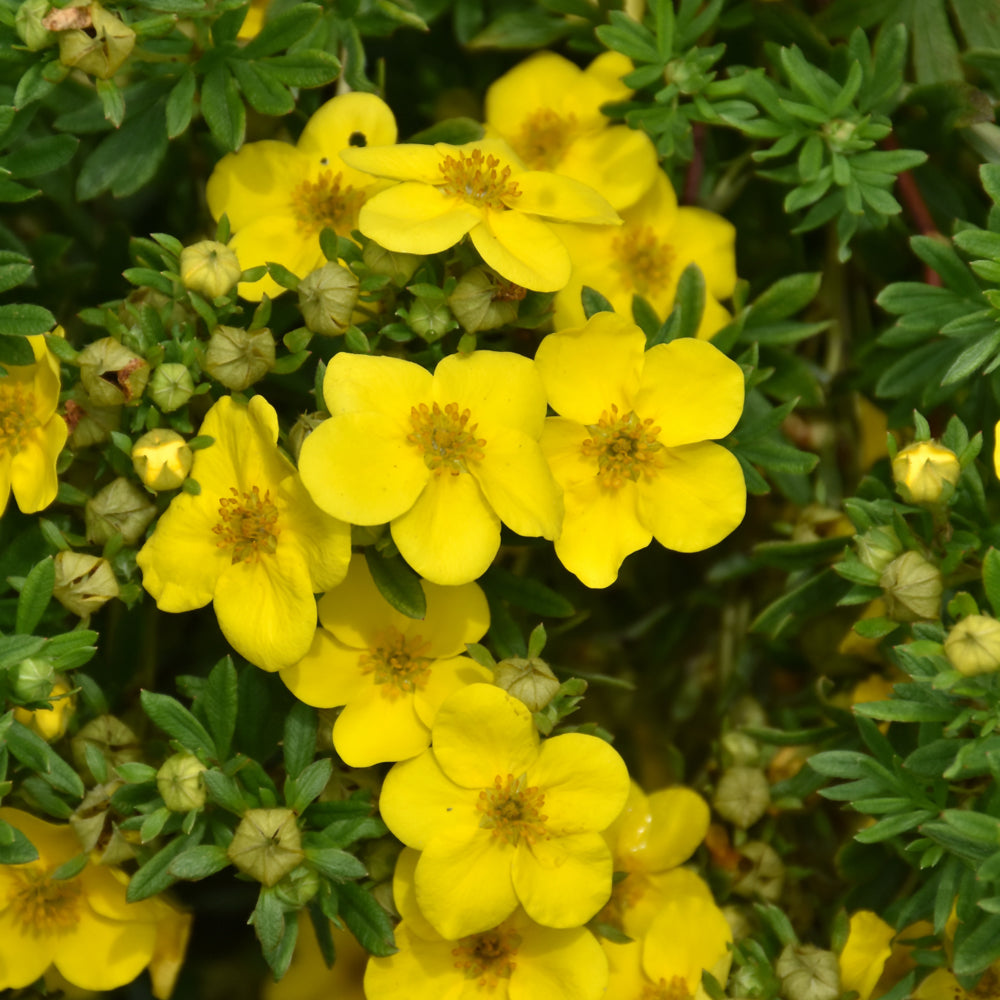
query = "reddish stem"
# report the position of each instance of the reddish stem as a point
(692, 182)
(913, 200)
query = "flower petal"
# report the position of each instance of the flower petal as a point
(355, 120)
(678, 824)
(455, 616)
(591, 368)
(33, 469)
(562, 444)
(464, 883)
(692, 390)
(564, 881)
(101, 954)
(364, 383)
(416, 218)
(404, 895)
(653, 892)
(323, 541)
(618, 162)
(584, 780)
(708, 240)
(328, 675)
(482, 733)
(689, 936)
(274, 239)
(562, 199)
(420, 970)
(450, 534)
(864, 956)
(24, 954)
(697, 499)
(405, 161)
(55, 843)
(357, 613)
(562, 964)
(374, 728)
(443, 680)
(522, 249)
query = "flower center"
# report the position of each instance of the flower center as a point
(398, 663)
(446, 438)
(17, 415)
(489, 956)
(676, 989)
(642, 261)
(988, 987)
(249, 523)
(323, 202)
(625, 447)
(512, 810)
(42, 904)
(544, 138)
(478, 180)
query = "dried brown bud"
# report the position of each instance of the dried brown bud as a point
(84, 583)
(98, 48)
(112, 374)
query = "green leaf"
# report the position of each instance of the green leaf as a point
(40, 156)
(784, 298)
(899, 710)
(112, 101)
(15, 269)
(521, 29)
(15, 848)
(304, 68)
(397, 583)
(176, 721)
(299, 743)
(25, 320)
(218, 701)
(526, 592)
(34, 752)
(301, 790)
(180, 104)
(262, 89)
(268, 919)
(15, 351)
(35, 596)
(125, 160)
(222, 108)
(978, 950)
(154, 876)
(369, 923)
(225, 791)
(594, 302)
(991, 579)
(892, 826)
(283, 31)
(335, 864)
(199, 862)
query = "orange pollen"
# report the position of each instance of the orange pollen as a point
(446, 438)
(44, 905)
(676, 989)
(17, 415)
(489, 956)
(544, 138)
(398, 663)
(624, 447)
(642, 261)
(512, 810)
(249, 523)
(478, 179)
(323, 202)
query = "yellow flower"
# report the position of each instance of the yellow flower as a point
(279, 197)
(517, 958)
(308, 977)
(688, 936)
(50, 723)
(391, 672)
(632, 446)
(502, 821)
(31, 432)
(443, 458)
(254, 21)
(549, 111)
(868, 947)
(481, 189)
(82, 925)
(652, 836)
(926, 472)
(647, 255)
(251, 533)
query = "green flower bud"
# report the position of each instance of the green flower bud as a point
(84, 583)
(740, 750)
(483, 300)
(180, 783)
(530, 681)
(34, 678)
(88, 422)
(267, 845)
(878, 547)
(808, 973)
(237, 358)
(50, 723)
(112, 374)
(120, 507)
(430, 320)
(98, 48)
(171, 386)
(742, 796)
(162, 459)
(400, 267)
(297, 887)
(762, 872)
(973, 645)
(116, 743)
(327, 297)
(30, 24)
(210, 269)
(301, 429)
(911, 586)
(926, 472)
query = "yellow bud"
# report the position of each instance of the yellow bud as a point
(926, 472)
(99, 48)
(162, 459)
(84, 583)
(112, 374)
(973, 645)
(530, 681)
(210, 269)
(237, 358)
(327, 297)
(120, 507)
(911, 587)
(50, 723)
(180, 783)
(267, 845)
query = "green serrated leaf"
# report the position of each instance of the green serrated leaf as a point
(176, 721)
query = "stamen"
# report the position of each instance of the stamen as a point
(17, 415)
(398, 663)
(478, 180)
(446, 438)
(624, 447)
(643, 263)
(42, 904)
(249, 523)
(512, 810)
(489, 956)
(544, 138)
(676, 989)
(323, 202)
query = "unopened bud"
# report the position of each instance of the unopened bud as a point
(911, 587)
(112, 374)
(400, 267)
(88, 422)
(484, 301)
(878, 547)
(973, 645)
(50, 723)
(171, 386)
(297, 887)
(762, 872)
(430, 319)
(28, 22)
(926, 472)
(530, 681)
(210, 269)
(237, 358)
(740, 750)
(301, 429)
(162, 459)
(267, 845)
(808, 973)
(115, 742)
(742, 796)
(327, 297)
(84, 583)
(121, 507)
(98, 48)
(180, 783)
(34, 678)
